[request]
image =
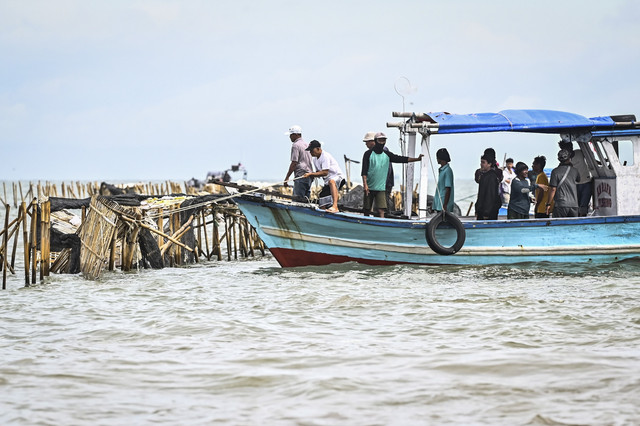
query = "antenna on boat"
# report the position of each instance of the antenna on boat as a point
(404, 88)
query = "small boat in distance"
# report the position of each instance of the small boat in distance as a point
(299, 234)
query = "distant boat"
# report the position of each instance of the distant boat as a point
(301, 234)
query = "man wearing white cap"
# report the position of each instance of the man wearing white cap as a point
(300, 164)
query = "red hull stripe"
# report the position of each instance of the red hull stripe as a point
(288, 258)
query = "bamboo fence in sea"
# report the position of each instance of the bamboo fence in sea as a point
(166, 231)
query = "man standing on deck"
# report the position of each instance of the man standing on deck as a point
(300, 164)
(443, 199)
(563, 189)
(375, 170)
(327, 168)
(488, 177)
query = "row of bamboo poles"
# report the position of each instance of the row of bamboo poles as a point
(79, 190)
(220, 231)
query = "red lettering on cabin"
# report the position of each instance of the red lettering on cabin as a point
(604, 202)
(604, 187)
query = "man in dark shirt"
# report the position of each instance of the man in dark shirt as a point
(563, 190)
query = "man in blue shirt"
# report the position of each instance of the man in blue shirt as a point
(444, 190)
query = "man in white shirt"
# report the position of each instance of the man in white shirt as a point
(507, 176)
(327, 167)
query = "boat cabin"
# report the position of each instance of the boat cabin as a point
(610, 145)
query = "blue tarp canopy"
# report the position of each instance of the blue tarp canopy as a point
(518, 120)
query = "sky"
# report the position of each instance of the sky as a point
(142, 90)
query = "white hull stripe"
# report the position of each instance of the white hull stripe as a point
(470, 251)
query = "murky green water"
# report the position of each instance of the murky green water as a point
(250, 343)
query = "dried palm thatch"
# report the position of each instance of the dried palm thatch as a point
(96, 234)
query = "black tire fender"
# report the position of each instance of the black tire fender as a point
(430, 233)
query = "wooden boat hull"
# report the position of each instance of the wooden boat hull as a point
(300, 235)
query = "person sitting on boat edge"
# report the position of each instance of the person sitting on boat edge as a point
(563, 188)
(489, 202)
(328, 168)
(443, 198)
(542, 195)
(300, 164)
(521, 190)
(375, 171)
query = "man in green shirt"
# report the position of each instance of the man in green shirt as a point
(444, 190)
(375, 168)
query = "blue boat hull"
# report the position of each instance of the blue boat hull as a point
(300, 235)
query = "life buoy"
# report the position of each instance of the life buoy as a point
(433, 224)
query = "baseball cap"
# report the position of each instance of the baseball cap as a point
(380, 135)
(313, 144)
(369, 136)
(294, 130)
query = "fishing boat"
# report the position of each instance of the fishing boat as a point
(300, 234)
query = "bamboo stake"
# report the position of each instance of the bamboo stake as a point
(4, 244)
(130, 240)
(176, 236)
(15, 195)
(32, 239)
(199, 242)
(206, 234)
(235, 239)
(15, 240)
(241, 240)
(25, 241)
(172, 239)
(160, 227)
(112, 251)
(45, 237)
(216, 235)
(247, 231)
(227, 222)
(176, 225)
(21, 196)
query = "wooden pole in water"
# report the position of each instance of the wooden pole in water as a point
(177, 251)
(15, 240)
(235, 239)
(15, 195)
(216, 235)
(21, 195)
(112, 251)
(25, 241)
(206, 234)
(199, 239)
(32, 240)
(160, 228)
(131, 238)
(227, 235)
(45, 239)
(4, 244)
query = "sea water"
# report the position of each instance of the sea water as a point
(247, 342)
